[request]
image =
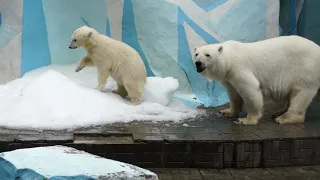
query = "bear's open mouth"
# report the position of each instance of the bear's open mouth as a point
(200, 69)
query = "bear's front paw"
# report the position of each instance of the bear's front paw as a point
(227, 113)
(290, 118)
(123, 94)
(247, 121)
(99, 88)
(281, 120)
(277, 114)
(134, 102)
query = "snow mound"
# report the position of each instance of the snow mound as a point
(160, 90)
(46, 161)
(55, 98)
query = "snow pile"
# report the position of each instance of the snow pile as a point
(160, 90)
(56, 97)
(46, 161)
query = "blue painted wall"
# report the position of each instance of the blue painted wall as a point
(309, 23)
(35, 47)
(155, 28)
(129, 33)
(208, 93)
(209, 5)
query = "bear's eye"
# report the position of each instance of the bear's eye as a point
(196, 54)
(207, 55)
(74, 40)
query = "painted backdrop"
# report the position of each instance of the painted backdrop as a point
(36, 33)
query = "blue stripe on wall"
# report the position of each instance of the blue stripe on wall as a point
(85, 21)
(208, 6)
(35, 48)
(129, 34)
(293, 24)
(210, 94)
(108, 31)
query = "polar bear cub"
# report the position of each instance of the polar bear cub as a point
(112, 58)
(284, 68)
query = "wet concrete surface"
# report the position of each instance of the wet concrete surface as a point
(287, 173)
(205, 142)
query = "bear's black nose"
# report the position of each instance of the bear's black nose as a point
(70, 47)
(198, 63)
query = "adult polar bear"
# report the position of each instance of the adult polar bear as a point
(284, 68)
(112, 58)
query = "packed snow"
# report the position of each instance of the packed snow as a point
(47, 162)
(55, 97)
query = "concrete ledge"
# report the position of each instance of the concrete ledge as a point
(180, 150)
(211, 142)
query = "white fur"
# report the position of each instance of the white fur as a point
(112, 58)
(285, 68)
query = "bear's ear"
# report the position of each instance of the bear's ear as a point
(90, 33)
(220, 49)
